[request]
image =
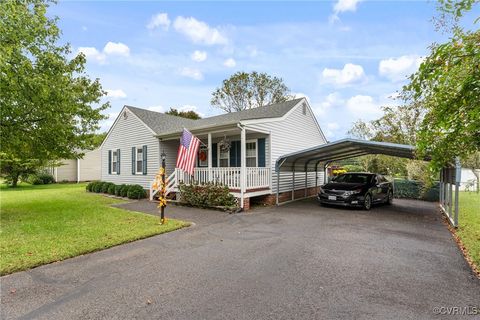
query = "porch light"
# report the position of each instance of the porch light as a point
(163, 156)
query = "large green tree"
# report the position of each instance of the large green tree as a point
(47, 102)
(190, 114)
(249, 90)
(447, 86)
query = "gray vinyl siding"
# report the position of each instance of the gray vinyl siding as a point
(297, 132)
(90, 166)
(125, 134)
(67, 171)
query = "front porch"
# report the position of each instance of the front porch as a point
(235, 156)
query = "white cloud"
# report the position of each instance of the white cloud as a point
(116, 48)
(330, 129)
(397, 69)
(230, 63)
(330, 101)
(363, 106)
(199, 31)
(156, 108)
(191, 73)
(351, 73)
(116, 93)
(159, 20)
(92, 53)
(199, 56)
(343, 6)
(84, 28)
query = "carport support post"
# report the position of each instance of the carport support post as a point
(278, 185)
(306, 179)
(293, 180)
(458, 177)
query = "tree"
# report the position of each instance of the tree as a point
(447, 86)
(190, 114)
(46, 98)
(98, 139)
(249, 90)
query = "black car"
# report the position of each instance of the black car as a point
(357, 190)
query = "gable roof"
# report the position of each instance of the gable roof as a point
(163, 124)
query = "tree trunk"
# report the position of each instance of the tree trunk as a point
(14, 180)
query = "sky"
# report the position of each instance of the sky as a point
(348, 57)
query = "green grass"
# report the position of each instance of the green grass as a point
(43, 224)
(469, 224)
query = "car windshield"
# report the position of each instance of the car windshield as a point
(353, 178)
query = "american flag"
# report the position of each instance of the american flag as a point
(187, 151)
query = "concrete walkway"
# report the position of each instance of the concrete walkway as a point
(298, 261)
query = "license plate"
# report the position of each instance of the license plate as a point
(332, 198)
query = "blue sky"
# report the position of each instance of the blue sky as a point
(347, 56)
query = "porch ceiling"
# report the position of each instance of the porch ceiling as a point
(308, 159)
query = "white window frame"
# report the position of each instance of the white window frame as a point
(136, 160)
(114, 168)
(218, 157)
(256, 151)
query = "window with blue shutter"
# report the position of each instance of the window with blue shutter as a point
(261, 152)
(235, 154)
(144, 159)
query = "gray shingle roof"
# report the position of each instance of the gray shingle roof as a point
(163, 124)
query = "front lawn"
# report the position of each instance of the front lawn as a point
(469, 224)
(42, 224)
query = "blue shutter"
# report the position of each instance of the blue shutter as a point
(238, 153)
(261, 152)
(144, 153)
(109, 161)
(118, 161)
(214, 155)
(133, 159)
(233, 154)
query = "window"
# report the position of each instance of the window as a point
(114, 161)
(203, 157)
(139, 161)
(223, 158)
(251, 147)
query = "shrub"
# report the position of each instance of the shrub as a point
(124, 191)
(89, 186)
(40, 178)
(105, 186)
(46, 178)
(118, 189)
(111, 188)
(207, 195)
(97, 187)
(136, 192)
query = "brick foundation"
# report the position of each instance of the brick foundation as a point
(270, 199)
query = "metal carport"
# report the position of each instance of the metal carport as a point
(310, 159)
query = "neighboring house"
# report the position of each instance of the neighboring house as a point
(468, 179)
(87, 168)
(239, 149)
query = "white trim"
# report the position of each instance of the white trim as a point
(78, 170)
(199, 161)
(118, 117)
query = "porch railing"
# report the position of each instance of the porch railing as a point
(230, 176)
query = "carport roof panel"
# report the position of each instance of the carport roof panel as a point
(307, 160)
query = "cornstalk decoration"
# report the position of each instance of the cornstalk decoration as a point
(160, 186)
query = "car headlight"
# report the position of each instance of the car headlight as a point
(352, 192)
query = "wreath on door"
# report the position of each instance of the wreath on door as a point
(203, 155)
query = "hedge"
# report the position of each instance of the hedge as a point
(412, 189)
(134, 191)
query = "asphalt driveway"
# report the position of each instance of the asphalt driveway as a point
(298, 261)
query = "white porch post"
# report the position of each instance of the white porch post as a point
(209, 157)
(78, 170)
(243, 169)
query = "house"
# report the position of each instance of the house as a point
(238, 149)
(87, 168)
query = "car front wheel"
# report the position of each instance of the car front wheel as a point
(367, 203)
(390, 197)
